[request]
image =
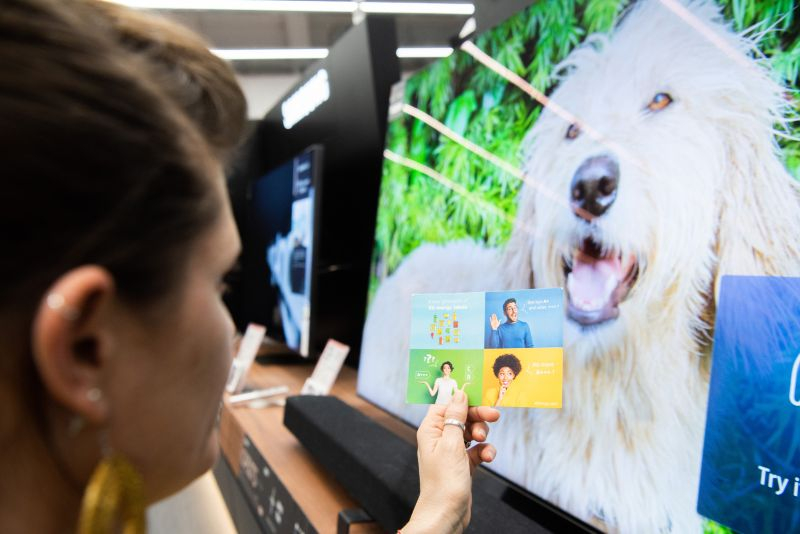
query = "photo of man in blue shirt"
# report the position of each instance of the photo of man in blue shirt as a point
(512, 334)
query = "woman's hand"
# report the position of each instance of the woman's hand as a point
(446, 465)
(501, 394)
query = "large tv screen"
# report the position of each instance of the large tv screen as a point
(279, 279)
(631, 153)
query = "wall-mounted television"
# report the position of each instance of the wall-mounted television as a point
(631, 153)
(281, 243)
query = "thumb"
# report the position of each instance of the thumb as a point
(455, 413)
(431, 427)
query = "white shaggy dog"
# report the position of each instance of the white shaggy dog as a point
(670, 179)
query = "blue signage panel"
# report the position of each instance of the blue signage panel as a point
(750, 479)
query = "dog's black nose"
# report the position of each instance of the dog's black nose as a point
(594, 187)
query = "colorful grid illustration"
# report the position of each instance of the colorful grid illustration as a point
(502, 348)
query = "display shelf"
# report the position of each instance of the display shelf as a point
(250, 436)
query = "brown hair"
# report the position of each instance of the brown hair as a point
(99, 164)
(202, 84)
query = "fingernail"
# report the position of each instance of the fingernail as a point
(492, 454)
(480, 434)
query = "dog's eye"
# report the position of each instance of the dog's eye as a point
(659, 102)
(573, 131)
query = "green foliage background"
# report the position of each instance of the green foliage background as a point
(481, 106)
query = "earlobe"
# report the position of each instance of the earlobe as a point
(72, 340)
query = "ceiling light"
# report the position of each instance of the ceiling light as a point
(417, 8)
(318, 6)
(245, 54)
(424, 52)
(267, 54)
(307, 6)
(308, 97)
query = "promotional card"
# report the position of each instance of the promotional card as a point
(750, 478)
(502, 348)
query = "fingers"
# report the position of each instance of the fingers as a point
(481, 453)
(475, 418)
(476, 431)
(483, 413)
(477, 427)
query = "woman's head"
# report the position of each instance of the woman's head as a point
(114, 201)
(100, 166)
(201, 83)
(506, 368)
(447, 368)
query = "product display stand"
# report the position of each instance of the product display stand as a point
(293, 486)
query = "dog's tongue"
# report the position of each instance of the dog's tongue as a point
(593, 280)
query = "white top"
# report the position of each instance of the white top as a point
(446, 388)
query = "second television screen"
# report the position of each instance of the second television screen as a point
(281, 234)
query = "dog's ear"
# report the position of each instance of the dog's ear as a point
(759, 210)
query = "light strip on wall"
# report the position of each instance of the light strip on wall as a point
(250, 54)
(424, 52)
(308, 97)
(305, 6)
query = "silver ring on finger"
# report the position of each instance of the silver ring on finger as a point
(455, 422)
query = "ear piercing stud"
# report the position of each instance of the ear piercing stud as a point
(57, 302)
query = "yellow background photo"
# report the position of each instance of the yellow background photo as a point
(538, 385)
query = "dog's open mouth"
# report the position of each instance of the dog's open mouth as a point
(597, 282)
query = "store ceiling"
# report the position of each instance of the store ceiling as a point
(266, 81)
(237, 30)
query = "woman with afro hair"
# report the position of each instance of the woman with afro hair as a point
(506, 368)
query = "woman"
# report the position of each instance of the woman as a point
(114, 343)
(445, 386)
(506, 368)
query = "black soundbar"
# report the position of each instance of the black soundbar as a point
(379, 469)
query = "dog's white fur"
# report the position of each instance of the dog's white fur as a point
(702, 193)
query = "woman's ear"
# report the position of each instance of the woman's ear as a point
(72, 340)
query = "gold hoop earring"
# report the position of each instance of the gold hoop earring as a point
(114, 499)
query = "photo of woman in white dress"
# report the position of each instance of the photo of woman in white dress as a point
(444, 386)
